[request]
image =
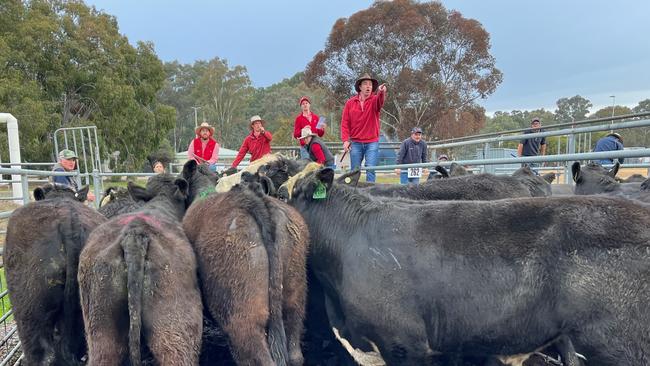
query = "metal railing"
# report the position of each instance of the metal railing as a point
(473, 139)
(571, 155)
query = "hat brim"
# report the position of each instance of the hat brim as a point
(304, 137)
(198, 130)
(357, 84)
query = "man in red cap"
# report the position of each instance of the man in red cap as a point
(204, 148)
(257, 143)
(304, 119)
(360, 123)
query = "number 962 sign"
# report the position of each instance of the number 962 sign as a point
(414, 172)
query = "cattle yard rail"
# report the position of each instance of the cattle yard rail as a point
(571, 154)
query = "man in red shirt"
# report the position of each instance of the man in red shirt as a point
(304, 119)
(257, 143)
(360, 123)
(204, 148)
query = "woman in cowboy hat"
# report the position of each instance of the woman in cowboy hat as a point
(204, 148)
(316, 149)
(257, 143)
(307, 118)
(360, 123)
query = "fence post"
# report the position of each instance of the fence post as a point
(25, 188)
(571, 147)
(97, 187)
(486, 155)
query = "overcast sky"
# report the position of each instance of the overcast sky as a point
(546, 49)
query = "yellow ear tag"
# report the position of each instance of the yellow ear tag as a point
(320, 192)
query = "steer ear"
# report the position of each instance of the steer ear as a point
(189, 169)
(82, 194)
(39, 194)
(612, 172)
(441, 169)
(267, 185)
(575, 171)
(182, 186)
(645, 186)
(138, 193)
(549, 177)
(350, 179)
(326, 176)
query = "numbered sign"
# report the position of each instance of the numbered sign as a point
(414, 172)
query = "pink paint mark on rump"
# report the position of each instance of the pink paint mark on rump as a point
(148, 219)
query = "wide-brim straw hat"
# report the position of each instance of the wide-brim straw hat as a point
(255, 119)
(366, 76)
(306, 132)
(202, 126)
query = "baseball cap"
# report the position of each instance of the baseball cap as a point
(304, 99)
(535, 120)
(416, 130)
(67, 154)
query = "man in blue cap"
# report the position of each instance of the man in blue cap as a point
(412, 151)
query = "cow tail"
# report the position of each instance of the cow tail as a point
(73, 238)
(276, 337)
(135, 246)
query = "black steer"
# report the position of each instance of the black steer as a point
(523, 183)
(43, 243)
(480, 278)
(138, 282)
(594, 179)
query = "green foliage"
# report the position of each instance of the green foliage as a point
(64, 64)
(222, 93)
(575, 108)
(643, 106)
(607, 112)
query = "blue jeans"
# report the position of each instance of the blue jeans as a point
(359, 150)
(304, 154)
(404, 178)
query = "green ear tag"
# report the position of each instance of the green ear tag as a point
(320, 192)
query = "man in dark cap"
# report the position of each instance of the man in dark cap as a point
(532, 146)
(360, 123)
(612, 142)
(412, 151)
(68, 163)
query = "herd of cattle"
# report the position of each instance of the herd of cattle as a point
(469, 269)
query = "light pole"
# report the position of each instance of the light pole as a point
(613, 107)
